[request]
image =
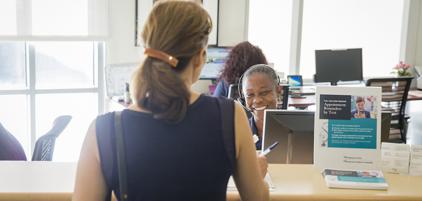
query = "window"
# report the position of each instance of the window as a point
(12, 65)
(29, 19)
(14, 115)
(8, 17)
(52, 56)
(43, 80)
(269, 28)
(64, 64)
(374, 26)
(83, 107)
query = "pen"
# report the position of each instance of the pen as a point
(268, 150)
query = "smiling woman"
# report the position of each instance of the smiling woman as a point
(261, 89)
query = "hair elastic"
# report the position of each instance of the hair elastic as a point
(161, 56)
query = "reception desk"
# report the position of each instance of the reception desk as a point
(305, 182)
(36, 181)
(49, 181)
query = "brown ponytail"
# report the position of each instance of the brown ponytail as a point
(179, 29)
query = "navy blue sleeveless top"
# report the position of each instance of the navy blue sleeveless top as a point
(184, 161)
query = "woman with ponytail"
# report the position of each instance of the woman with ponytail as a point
(174, 138)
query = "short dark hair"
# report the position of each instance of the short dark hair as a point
(360, 99)
(241, 57)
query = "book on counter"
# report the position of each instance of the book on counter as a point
(355, 179)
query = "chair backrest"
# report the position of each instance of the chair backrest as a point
(10, 148)
(394, 93)
(233, 92)
(283, 99)
(385, 126)
(44, 147)
(394, 98)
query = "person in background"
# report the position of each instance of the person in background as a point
(241, 57)
(260, 89)
(10, 148)
(360, 111)
(173, 135)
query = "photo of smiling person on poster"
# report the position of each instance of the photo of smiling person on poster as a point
(359, 111)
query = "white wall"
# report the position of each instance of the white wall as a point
(121, 44)
(410, 28)
(232, 23)
(121, 48)
(418, 55)
(412, 35)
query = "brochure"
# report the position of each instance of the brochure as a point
(395, 158)
(370, 179)
(402, 158)
(415, 168)
(347, 129)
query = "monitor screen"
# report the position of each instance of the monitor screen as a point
(294, 80)
(338, 65)
(294, 130)
(216, 57)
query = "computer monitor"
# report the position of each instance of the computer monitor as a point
(294, 130)
(216, 57)
(338, 65)
(294, 81)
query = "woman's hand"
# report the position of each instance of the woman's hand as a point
(263, 165)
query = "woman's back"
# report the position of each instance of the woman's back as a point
(174, 141)
(184, 161)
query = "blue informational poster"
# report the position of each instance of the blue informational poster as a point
(354, 133)
(347, 127)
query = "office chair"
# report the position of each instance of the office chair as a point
(44, 147)
(10, 148)
(394, 98)
(233, 92)
(386, 126)
(283, 99)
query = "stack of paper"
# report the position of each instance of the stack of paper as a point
(402, 158)
(415, 167)
(395, 157)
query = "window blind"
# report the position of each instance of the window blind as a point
(53, 19)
